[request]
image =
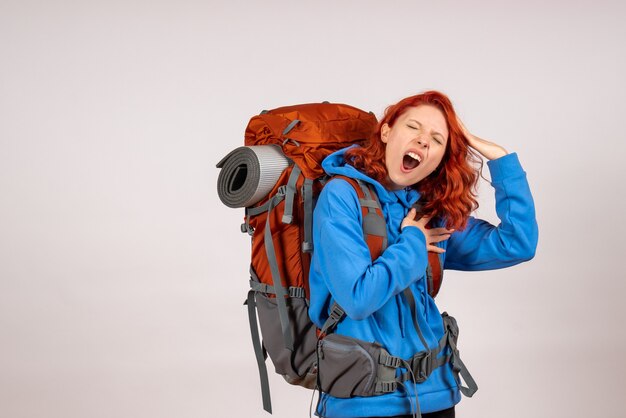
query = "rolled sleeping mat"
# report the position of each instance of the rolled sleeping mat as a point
(249, 173)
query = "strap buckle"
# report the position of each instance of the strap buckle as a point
(336, 313)
(387, 387)
(246, 228)
(450, 324)
(389, 360)
(281, 191)
(296, 292)
(454, 361)
(422, 366)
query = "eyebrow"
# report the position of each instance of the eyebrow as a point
(434, 133)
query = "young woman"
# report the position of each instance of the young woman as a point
(420, 151)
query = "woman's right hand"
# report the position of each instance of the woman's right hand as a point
(433, 235)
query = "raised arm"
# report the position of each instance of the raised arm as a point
(483, 246)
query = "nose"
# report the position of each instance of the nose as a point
(423, 141)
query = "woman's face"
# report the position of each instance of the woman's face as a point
(415, 146)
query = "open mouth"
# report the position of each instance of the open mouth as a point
(411, 160)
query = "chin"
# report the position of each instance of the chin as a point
(401, 183)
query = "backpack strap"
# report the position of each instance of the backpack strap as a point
(307, 194)
(335, 316)
(434, 274)
(374, 225)
(410, 298)
(290, 194)
(259, 351)
(458, 367)
(434, 271)
(279, 289)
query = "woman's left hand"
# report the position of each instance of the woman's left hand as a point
(487, 149)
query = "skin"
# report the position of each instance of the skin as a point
(423, 130)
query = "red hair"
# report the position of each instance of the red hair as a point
(449, 192)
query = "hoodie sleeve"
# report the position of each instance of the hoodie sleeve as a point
(342, 259)
(483, 246)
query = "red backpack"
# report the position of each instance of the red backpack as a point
(290, 143)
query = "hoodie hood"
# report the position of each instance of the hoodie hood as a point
(335, 164)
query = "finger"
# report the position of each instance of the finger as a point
(411, 214)
(438, 238)
(435, 249)
(441, 231)
(409, 223)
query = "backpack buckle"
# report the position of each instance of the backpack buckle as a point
(387, 387)
(282, 190)
(336, 313)
(422, 366)
(245, 227)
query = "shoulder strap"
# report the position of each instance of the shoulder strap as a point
(434, 274)
(375, 232)
(434, 271)
(374, 225)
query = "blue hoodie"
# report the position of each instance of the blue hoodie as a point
(371, 292)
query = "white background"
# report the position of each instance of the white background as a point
(122, 275)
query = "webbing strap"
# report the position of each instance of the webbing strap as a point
(277, 282)
(373, 223)
(388, 360)
(258, 209)
(336, 315)
(291, 125)
(420, 366)
(386, 386)
(408, 294)
(291, 192)
(294, 292)
(258, 352)
(429, 277)
(307, 193)
(368, 203)
(384, 233)
(253, 274)
(458, 366)
(371, 203)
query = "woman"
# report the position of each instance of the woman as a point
(422, 151)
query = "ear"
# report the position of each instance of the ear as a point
(384, 133)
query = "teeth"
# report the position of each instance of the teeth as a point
(414, 156)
